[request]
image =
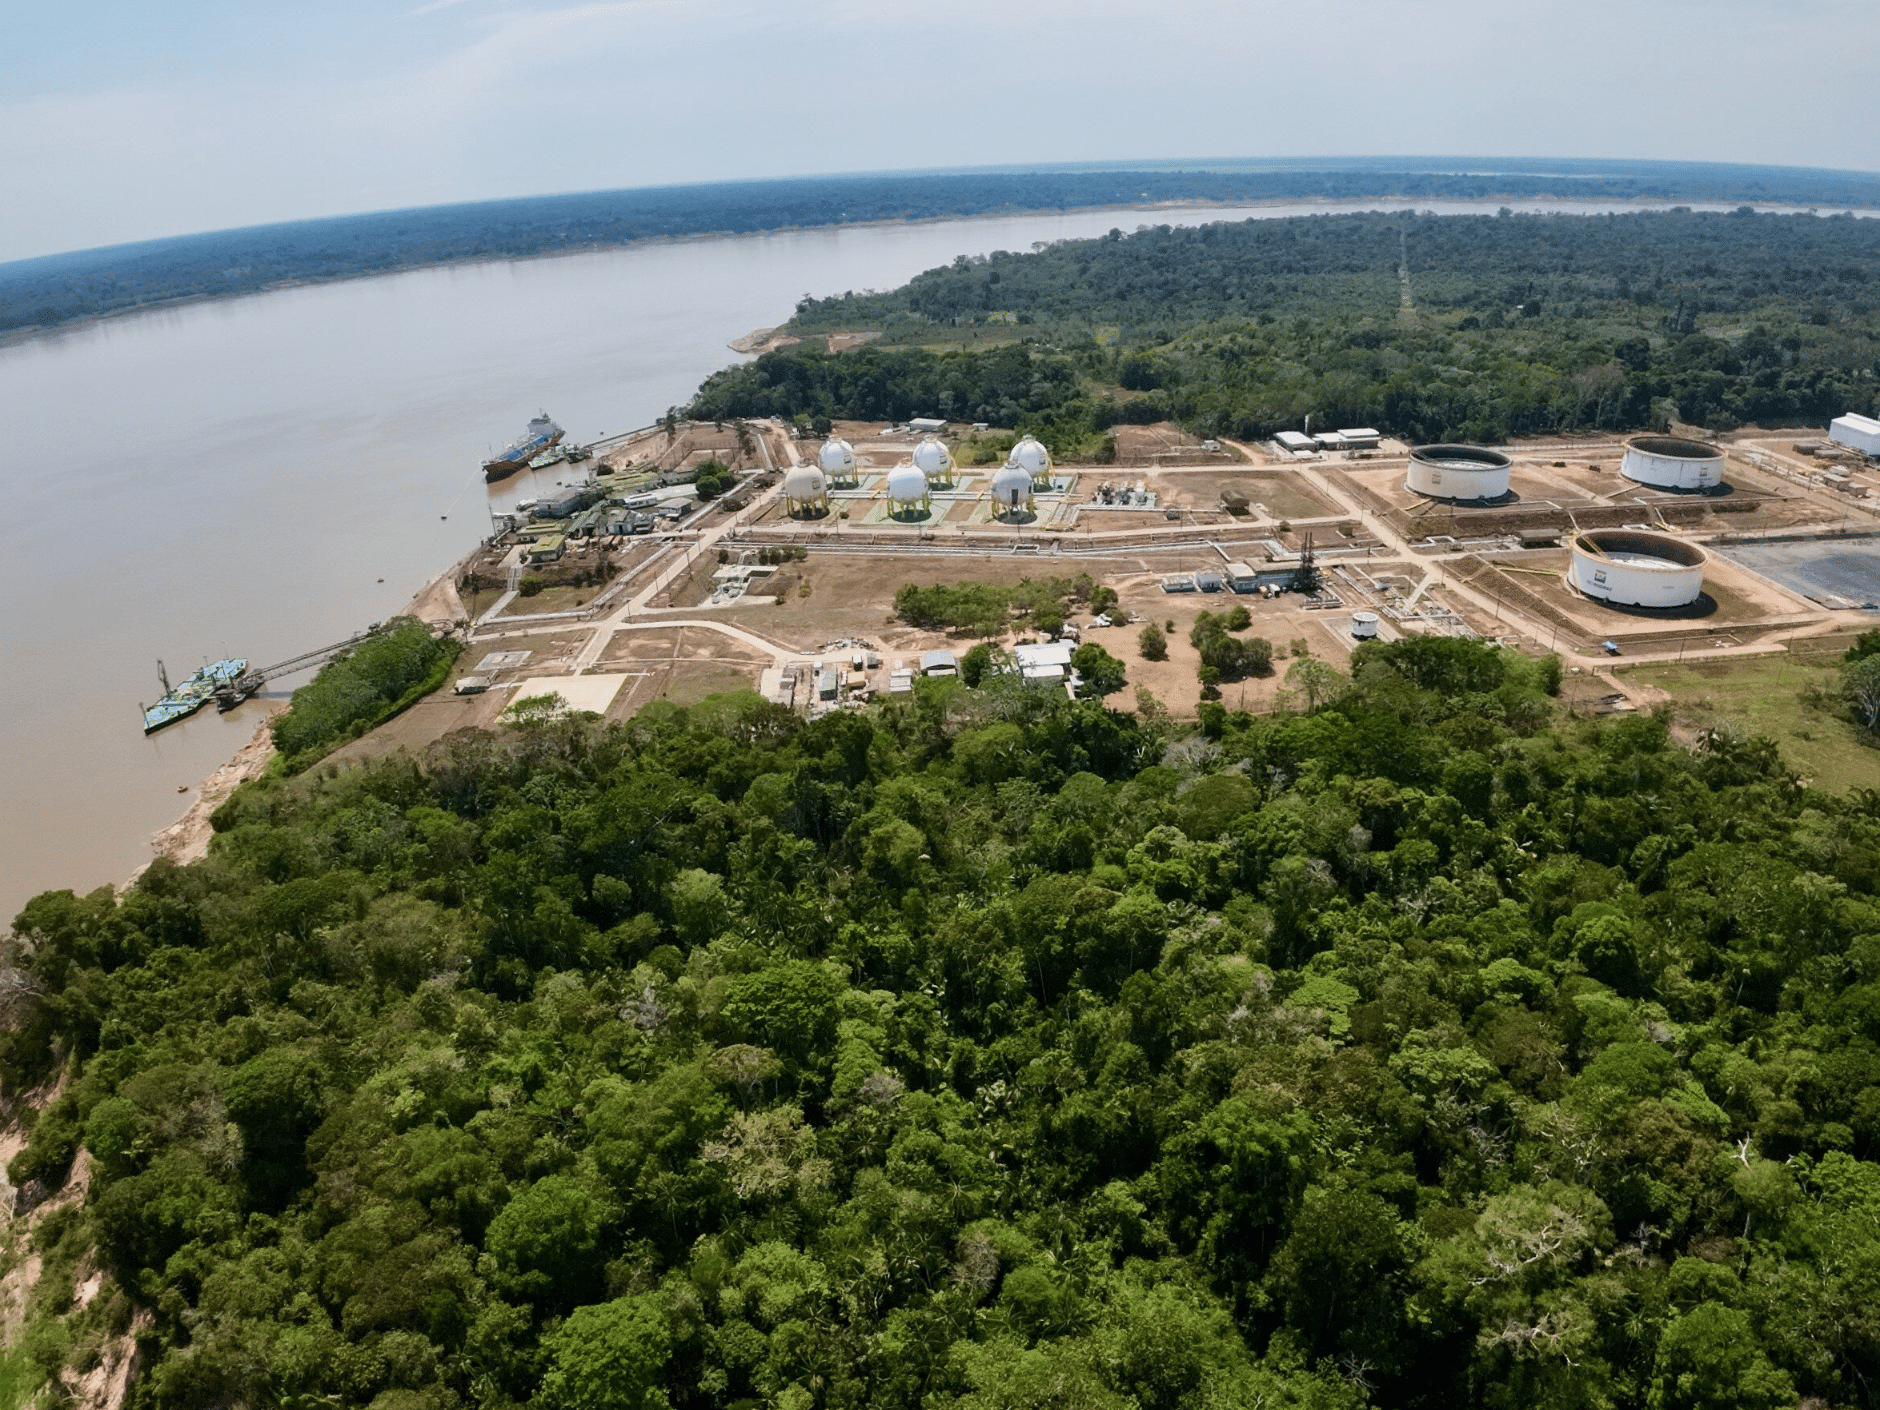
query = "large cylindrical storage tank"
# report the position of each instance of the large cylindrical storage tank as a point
(1364, 625)
(1633, 568)
(1672, 463)
(1458, 472)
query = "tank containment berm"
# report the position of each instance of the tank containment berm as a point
(1672, 463)
(1631, 568)
(1459, 473)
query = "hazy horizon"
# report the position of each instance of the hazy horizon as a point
(118, 123)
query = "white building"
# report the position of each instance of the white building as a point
(1857, 432)
(1295, 441)
(1047, 661)
(1360, 438)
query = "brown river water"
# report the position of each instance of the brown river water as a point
(265, 475)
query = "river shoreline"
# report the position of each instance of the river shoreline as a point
(15, 336)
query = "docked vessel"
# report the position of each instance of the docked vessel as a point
(179, 702)
(542, 434)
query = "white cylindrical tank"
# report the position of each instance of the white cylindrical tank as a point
(906, 486)
(1030, 456)
(1011, 487)
(837, 459)
(934, 460)
(1457, 472)
(1634, 568)
(1364, 625)
(1672, 463)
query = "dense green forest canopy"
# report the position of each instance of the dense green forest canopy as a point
(55, 289)
(987, 1049)
(1471, 327)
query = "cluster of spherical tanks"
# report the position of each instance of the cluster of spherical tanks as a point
(1622, 567)
(909, 488)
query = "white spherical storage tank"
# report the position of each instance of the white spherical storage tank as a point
(805, 487)
(1011, 487)
(1634, 568)
(837, 459)
(1030, 456)
(1457, 472)
(934, 460)
(1672, 463)
(907, 487)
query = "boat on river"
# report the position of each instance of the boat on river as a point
(543, 435)
(179, 702)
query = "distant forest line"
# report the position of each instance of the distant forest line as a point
(54, 290)
(1429, 327)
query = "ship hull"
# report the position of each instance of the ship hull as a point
(194, 693)
(516, 458)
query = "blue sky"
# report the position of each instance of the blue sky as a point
(121, 121)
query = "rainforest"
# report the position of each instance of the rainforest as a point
(1427, 1047)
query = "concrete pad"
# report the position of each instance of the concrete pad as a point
(594, 693)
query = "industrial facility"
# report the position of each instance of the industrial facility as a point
(1463, 474)
(1672, 463)
(1637, 568)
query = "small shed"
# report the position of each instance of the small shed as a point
(927, 425)
(1240, 577)
(939, 663)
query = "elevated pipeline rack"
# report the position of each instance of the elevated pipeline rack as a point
(231, 693)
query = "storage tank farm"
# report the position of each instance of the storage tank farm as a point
(934, 460)
(1461, 473)
(1637, 568)
(1672, 463)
